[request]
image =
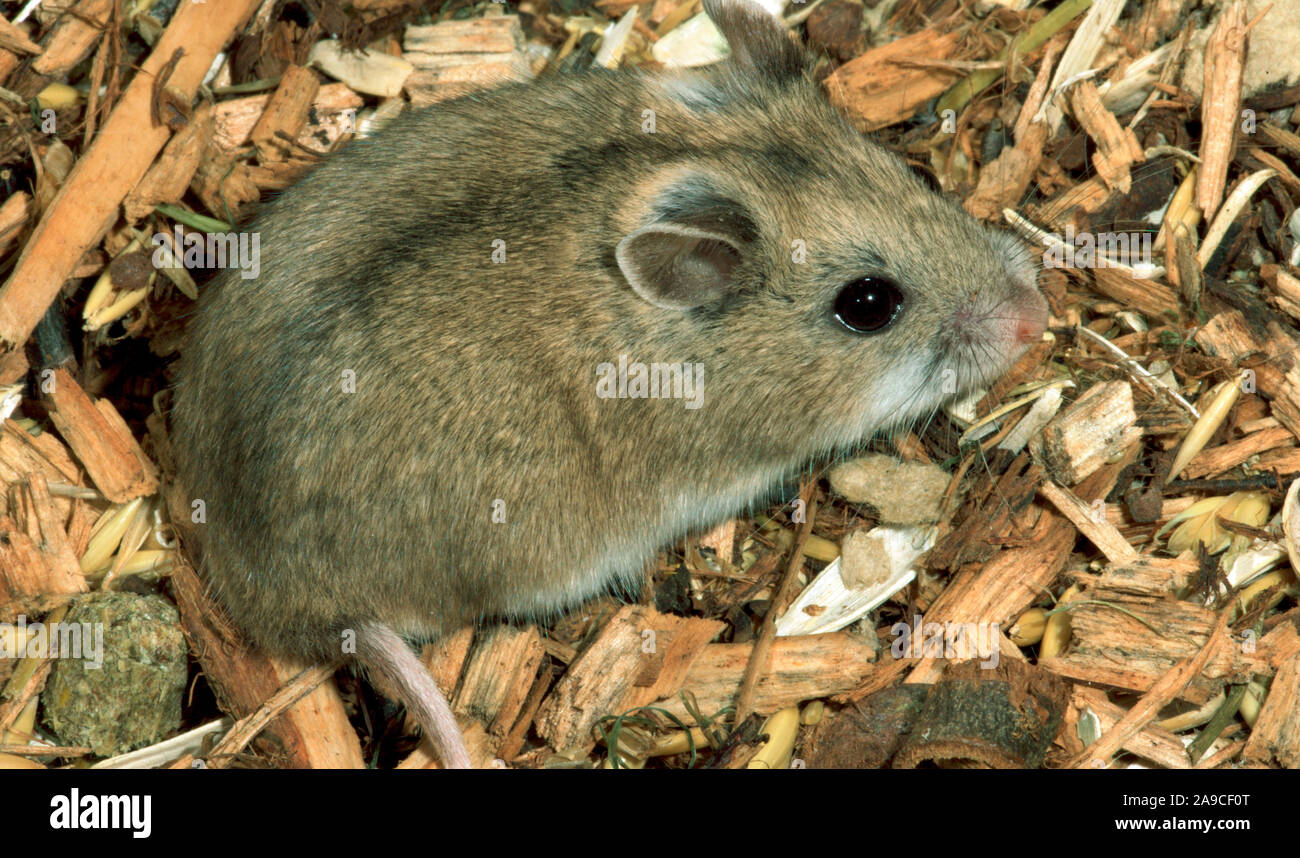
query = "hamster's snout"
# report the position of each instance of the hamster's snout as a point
(1030, 319)
(986, 338)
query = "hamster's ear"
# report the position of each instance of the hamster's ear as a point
(677, 267)
(759, 44)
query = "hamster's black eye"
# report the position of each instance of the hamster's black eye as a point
(868, 305)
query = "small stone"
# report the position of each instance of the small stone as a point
(901, 492)
(836, 27)
(121, 688)
(864, 561)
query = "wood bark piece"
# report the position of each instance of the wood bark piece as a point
(100, 438)
(1091, 522)
(1209, 463)
(500, 672)
(86, 205)
(878, 88)
(446, 659)
(500, 34)
(1286, 401)
(1117, 147)
(1284, 460)
(47, 534)
(246, 729)
(14, 214)
(513, 741)
(73, 37)
(1015, 578)
(14, 39)
(285, 113)
(334, 108)
(170, 175)
(22, 453)
(8, 62)
(1164, 690)
(1221, 105)
(37, 556)
(1284, 285)
(456, 57)
(1003, 718)
(1226, 335)
(1276, 734)
(313, 733)
(1153, 577)
(1154, 632)
(1063, 209)
(1152, 299)
(225, 185)
(1281, 644)
(1003, 182)
(639, 657)
(1152, 742)
(867, 734)
(1099, 425)
(803, 667)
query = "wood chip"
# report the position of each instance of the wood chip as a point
(639, 657)
(879, 88)
(100, 438)
(285, 114)
(1221, 105)
(74, 37)
(1117, 147)
(1100, 424)
(1276, 734)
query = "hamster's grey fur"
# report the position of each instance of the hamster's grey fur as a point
(353, 417)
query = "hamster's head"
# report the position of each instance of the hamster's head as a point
(798, 249)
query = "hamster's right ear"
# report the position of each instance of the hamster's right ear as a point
(677, 266)
(689, 238)
(759, 44)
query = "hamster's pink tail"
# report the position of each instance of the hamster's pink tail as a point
(395, 669)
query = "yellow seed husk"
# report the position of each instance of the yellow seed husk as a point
(821, 549)
(1199, 523)
(1029, 629)
(676, 743)
(1253, 701)
(1195, 717)
(1264, 582)
(1221, 400)
(106, 534)
(781, 730)
(1181, 209)
(1057, 632)
(57, 96)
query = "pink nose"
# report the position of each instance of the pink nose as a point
(1032, 320)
